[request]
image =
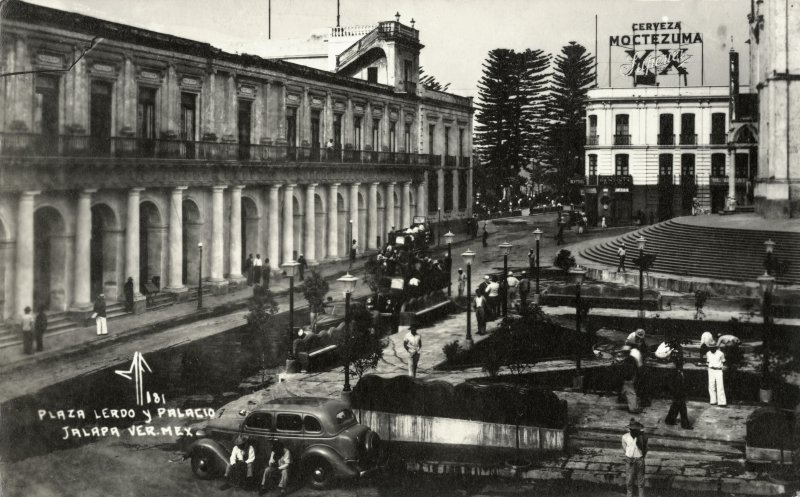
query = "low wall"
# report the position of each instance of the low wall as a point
(448, 431)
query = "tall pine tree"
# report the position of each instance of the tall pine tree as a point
(572, 78)
(535, 88)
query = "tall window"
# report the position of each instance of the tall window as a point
(376, 134)
(337, 131)
(687, 164)
(688, 136)
(621, 165)
(461, 149)
(407, 70)
(146, 113)
(407, 138)
(592, 165)
(188, 116)
(291, 126)
(666, 129)
(447, 140)
(718, 165)
(622, 124)
(665, 164)
(431, 137)
(315, 129)
(46, 105)
(718, 131)
(393, 136)
(100, 115)
(372, 74)
(357, 143)
(592, 125)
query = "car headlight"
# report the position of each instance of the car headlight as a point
(199, 433)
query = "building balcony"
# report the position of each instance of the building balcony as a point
(615, 180)
(688, 139)
(622, 140)
(450, 160)
(35, 145)
(665, 179)
(430, 159)
(666, 140)
(592, 139)
(466, 161)
(718, 139)
(591, 180)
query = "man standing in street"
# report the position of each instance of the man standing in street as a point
(462, 282)
(26, 325)
(266, 272)
(524, 290)
(677, 388)
(257, 267)
(248, 269)
(480, 312)
(716, 388)
(413, 345)
(485, 236)
(621, 255)
(560, 234)
(493, 297)
(39, 327)
(99, 315)
(302, 267)
(129, 295)
(634, 448)
(531, 262)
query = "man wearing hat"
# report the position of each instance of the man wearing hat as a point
(243, 456)
(513, 285)
(279, 460)
(462, 281)
(413, 345)
(634, 448)
(99, 314)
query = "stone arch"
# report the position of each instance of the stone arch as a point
(343, 223)
(49, 255)
(151, 242)
(297, 227)
(251, 229)
(320, 228)
(192, 235)
(362, 222)
(105, 253)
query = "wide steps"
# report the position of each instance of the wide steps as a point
(713, 449)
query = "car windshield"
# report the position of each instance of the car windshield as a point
(345, 417)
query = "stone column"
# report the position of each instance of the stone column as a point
(390, 220)
(24, 288)
(456, 186)
(132, 240)
(354, 217)
(422, 197)
(83, 255)
(175, 271)
(405, 203)
(372, 217)
(440, 189)
(235, 242)
(273, 246)
(731, 174)
(309, 248)
(288, 223)
(217, 236)
(333, 220)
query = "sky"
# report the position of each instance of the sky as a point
(457, 34)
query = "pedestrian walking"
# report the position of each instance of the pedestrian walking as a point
(40, 327)
(462, 282)
(26, 326)
(99, 315)
(480, 313)
(413, 345)
(303, 264)
(248, 269)
(715, 359)
(634, 448)
(128, 290)
(621, 252)
(266, 273)
(258, 266)
(485, 236)
(677, 389)
(603, 224)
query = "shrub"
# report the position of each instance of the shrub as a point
(359, 347)
(564, 260)
(315, 288)
(451, 351)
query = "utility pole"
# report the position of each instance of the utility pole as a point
(269, 19)
(337, 13)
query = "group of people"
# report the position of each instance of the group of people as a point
(258, 272)
(240, 469)
(490, 292)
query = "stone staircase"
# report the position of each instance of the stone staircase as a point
(716, 253)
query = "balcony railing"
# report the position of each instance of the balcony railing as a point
(666, 140)
(465, 161)
(665, 179)
(450, 160)
(591, 180)
(592, 139)
(718, 139)
(615, 180)
(622, 139)
(688, 139)
(35, 145)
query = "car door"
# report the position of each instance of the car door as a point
(289, 429)
(259, 429)
(312, 431)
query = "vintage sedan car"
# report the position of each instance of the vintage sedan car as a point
(325, 439)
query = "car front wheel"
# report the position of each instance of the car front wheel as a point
(319, 473)
(204, 463)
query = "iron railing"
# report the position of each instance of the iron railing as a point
(666, 140)
(622, 139)
(688, 139)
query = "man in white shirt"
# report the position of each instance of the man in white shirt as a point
(462, 282)
(258, 265)
(513, 285)
(716, 389)
(243, 456)
(480, 313)
(493, 298)
(279, 460)
(413, 345)
(634, 448)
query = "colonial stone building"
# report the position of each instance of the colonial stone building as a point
(774, 74)
(124, 149)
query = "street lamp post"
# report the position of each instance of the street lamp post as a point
(506, 248)
(200, 277)
(577, 274)
(767, 284)
(641, 241)
(349, 283)
(769, 245)
(468, 257)
(538, 235)
(290, 268)
(448, 239)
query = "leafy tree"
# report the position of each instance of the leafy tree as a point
(262, 307)
(314, 289)
(430, 82)
(572, 77)
(360, 348)
(564, 260)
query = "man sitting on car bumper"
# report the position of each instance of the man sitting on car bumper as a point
(279, 460)
(243, 456)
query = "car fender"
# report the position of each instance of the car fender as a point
(221, 452)
(340, 466)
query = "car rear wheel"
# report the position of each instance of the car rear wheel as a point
(204, 463)
(319, 473)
